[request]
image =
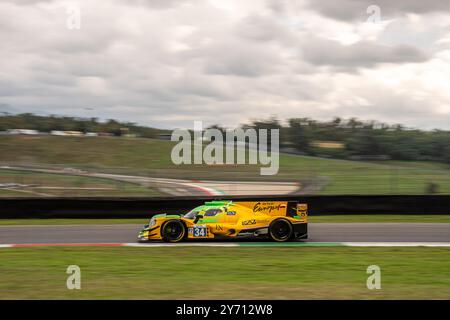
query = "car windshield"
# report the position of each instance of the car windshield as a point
(212, 212)
(208, 213)
(191, 214)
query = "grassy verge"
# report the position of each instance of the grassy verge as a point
(313, 219)
(236, 273)
(46, 184)
(152, 158)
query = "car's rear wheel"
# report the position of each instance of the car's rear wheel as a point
(173, 231)
(280, 230)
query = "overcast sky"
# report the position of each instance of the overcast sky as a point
(166, 63)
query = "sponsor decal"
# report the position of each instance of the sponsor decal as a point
(231, 213)
(219, 227)
(268, 206)
(253, 221)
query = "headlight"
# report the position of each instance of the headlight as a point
(152, 222)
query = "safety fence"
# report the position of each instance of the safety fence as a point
(11, 208)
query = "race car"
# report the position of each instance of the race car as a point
(276, 220)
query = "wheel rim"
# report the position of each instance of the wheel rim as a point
(173, 231)
(280, 230)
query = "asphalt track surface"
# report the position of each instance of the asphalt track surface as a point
(318, 232)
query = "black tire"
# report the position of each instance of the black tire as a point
(173, 231)
(280, 230)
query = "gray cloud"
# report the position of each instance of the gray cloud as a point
(158, 4)
(4, 108)
(348, 10)
(395, 108)
(262, 28)
(167, 68)
(28, 2)
(360, 54)
(148, 3)
(235, 59)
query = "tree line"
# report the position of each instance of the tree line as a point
(354, 138)
(357, 139)
(59, 123)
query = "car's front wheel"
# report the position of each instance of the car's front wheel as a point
(280, 230)
(173, 231)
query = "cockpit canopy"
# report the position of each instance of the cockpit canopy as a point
(206, 212)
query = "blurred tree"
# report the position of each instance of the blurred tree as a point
(359, 138)
(432, 188)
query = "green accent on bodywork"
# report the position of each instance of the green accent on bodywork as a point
(201, 208)
(206, 206)
(217, 203)
(212, 205)
(210, 220)
(163, 215)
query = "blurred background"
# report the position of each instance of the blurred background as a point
(48, 156)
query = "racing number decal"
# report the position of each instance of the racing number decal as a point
(199, 231)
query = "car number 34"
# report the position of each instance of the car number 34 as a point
(198, 231)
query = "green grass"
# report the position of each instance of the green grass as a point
(357, 177)
(152, 158)
(225, 273)
(49, 184)
(312, 219)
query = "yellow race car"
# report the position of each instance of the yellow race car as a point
(277, 220)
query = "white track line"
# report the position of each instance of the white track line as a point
(396, 244)
(247, 245)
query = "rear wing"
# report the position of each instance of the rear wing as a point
(276, 208)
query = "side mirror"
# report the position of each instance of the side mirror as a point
(198, 217)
